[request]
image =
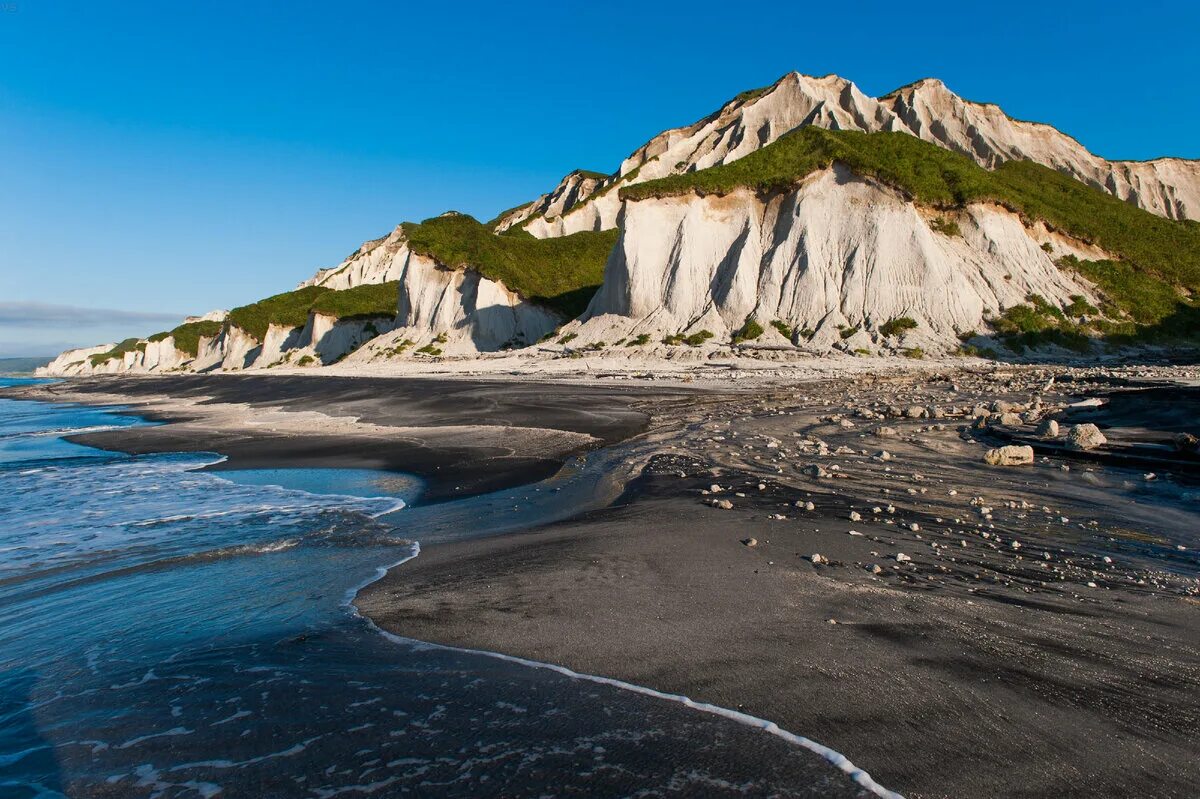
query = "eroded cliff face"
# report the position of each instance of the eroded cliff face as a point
(927, 109)
(456, 312)
(573, 189)
(840, 256)
(441, 310)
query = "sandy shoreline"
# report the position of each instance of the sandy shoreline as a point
(461, 437)
(973, 668)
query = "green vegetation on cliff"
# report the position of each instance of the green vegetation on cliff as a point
(128, 345)
(561, 273)
(372, 301)
(289, 309)
(187, 336)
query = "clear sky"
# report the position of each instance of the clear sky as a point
(167, 158)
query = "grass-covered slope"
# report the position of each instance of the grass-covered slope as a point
(560, 273)
(187, 336)
(1160, 258)
(372, 301)
(128, 345)
(289, 309)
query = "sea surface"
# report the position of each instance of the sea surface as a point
(167, 631)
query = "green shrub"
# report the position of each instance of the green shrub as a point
(784, 329)
(897, 326)
(696, 339)
(1079, 306)
(947, 227)
(807, 333)
(641, 341)
(978, 352)
(305, 360)
(1039, 324)
(749, 331)
(430, 349)
(568, 338)
(847, 332)
(914, 352)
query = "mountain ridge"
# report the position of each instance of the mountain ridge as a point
(797, 100)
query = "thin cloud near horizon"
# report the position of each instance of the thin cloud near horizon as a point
(38, 314)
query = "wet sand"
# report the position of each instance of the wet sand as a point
(461, 437)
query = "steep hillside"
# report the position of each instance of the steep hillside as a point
(926, 109)
(826, 238)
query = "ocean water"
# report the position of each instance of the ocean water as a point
(172, 632)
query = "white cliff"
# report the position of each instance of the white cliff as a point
(456, 312)
(839, 256)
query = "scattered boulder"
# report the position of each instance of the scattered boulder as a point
(902, 558)
(886, 432)
(814, 470)
(1010, 419)
(750, 542)
(1012, 455)
(1085, 437)
(723, 504)
(915, 412)
(1047, 429)
(818, 559)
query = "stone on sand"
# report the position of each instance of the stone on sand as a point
(1047, 429)
(1085, 436)
(1011, 455)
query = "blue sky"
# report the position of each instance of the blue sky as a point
(160, 159)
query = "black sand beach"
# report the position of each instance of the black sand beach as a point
(976, 668)
(955, 629)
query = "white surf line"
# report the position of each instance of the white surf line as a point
(837, 759)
